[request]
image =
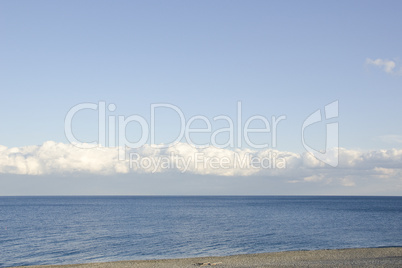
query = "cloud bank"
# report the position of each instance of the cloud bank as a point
(58, 158)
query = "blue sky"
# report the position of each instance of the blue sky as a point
(276, 57)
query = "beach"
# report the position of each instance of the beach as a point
(361, 257)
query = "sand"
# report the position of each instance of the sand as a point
(363, 257)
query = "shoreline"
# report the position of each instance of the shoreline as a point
(356, 257)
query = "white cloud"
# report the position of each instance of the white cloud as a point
(52, 157)
(386, 173)
(387, 65)
(347, 181)
(58, 158)
(314, 178)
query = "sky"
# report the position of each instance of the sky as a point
(170, 97)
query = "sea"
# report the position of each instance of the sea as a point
(84, 229)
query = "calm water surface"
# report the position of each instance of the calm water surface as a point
(67, 230)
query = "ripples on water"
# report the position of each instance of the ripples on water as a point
(67, 230)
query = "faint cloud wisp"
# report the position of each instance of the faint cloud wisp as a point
(388, 66)
(391, 138)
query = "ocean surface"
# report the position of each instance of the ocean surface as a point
(68, 230)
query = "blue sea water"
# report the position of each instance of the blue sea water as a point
(67, 230)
